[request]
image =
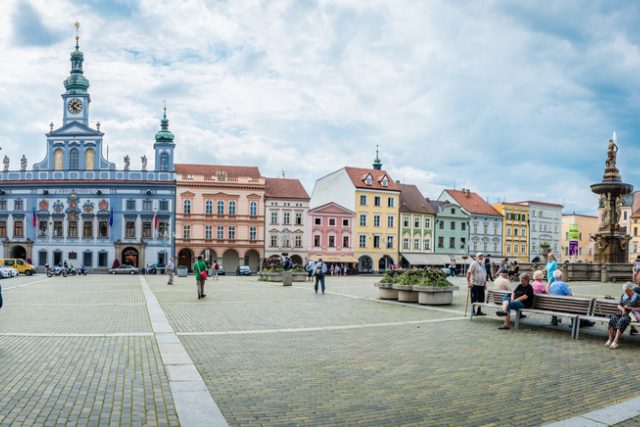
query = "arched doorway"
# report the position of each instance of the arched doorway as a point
(185, 258)
(297, 260)
(130, 256)
(230, 261)
(365, 264)
(252, 259)
(209, 256)
(385, 263)
(18, 252)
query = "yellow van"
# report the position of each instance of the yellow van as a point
(19, 264)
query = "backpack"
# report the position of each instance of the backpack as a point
(216, 266)
(319, 270)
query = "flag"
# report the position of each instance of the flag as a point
(34, 217)
(111, 217)
(155, 221)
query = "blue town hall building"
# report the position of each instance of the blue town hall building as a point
(75, 206)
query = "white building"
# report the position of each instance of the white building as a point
(545, 226)
(286, 209)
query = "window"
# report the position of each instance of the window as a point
(220, 207)
(405, 243)
(146, 205)
(130, 229)
(164, 205)
(515, 248)
(89, 160)
(253, 233)
(57, 228)
(452, 242)
(625, 215)
(103, 229)
(220, 232)
(485, 228)
(164, 162)
(17, 205)
(453, 211)
(72, 230)
(208, 232)
(332, 241)
(345, 222)
(332, 221)
(274, 217)
(515, 231)
(232, 208)
(363, 200)
(3, 205)
(463, 242)
(87, 259)
(18, 229)
(232, 232)
(273, 241)
(298, 218)
(441, 242)
(376, 201)
(416, 222)
(475, 228)
(368, 180)
(427, 223)
(316, 241)
(390, 221)
(508, 231)
(363, 241)
(285, 241)
(3, 228)
(441, 225)
(376, 241)
(495, 247)
(427, 244)
(102, 259)
(524, 248)
(416, 244)
(147, 232)
(405, 220)
(73, 159)
(186, 232)
(635, 232)
(345, 241)
(524, 232)
(391, 202)
(385, 181)
(508, 247)
(453, 225)
(390, 240)
(376, 220)
(463, 226)
(131, 205)
(286, 219)
(208, 207)
(363, 220)
(253, 209)
(298, 241)
(317, 221)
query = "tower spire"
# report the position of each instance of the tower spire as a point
(164, 136)
(77, 25)
(76, 83)
(377, 164)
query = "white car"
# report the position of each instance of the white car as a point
(6, 272)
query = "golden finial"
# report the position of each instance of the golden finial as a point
(77, 25)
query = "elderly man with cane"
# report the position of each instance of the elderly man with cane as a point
(477, 282)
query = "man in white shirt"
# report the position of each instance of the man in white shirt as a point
(477, 280)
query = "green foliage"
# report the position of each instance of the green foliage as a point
(424, 277)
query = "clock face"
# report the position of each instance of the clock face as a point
(74, 106)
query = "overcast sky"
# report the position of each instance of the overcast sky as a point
(515, 100)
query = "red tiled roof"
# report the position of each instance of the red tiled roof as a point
(284, 188)
(411, 200)
(210, 170)
(358, 176)
(472, 202)
(528, 202)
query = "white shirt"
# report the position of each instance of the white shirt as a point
(477, 273)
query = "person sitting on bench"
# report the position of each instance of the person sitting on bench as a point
(619, 322)
(522, 297)
(515, 270)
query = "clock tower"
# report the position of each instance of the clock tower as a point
(76, 99)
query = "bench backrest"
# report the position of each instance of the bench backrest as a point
(494, 296)
(577, 305)
(603, 307)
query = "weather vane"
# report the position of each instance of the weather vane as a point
(77, 25)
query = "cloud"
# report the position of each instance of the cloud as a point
(28, 28)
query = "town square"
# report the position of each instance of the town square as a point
(319, 213)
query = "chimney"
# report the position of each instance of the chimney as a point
(468, 193)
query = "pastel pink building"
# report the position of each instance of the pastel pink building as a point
(331, 234)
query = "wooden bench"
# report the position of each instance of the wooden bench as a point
(493, 299)
(600, 312)
(558, 306)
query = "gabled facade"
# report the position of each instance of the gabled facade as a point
(331, 235)
(545, 228)
(417, 218)
(515, 230)
(583, 227)
(374, 197)
(220, 215)
(485, 223)
(286, 208)
(76, 206)
(451, 230)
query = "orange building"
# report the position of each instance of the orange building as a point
(219, 215)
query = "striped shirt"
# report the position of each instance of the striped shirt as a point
(477, 274)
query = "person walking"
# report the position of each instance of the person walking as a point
(309, 269)
(477, 281)
(551, 266)
(319, 271)
(216, 268)
(487, 266)
(171, 267)
(200, 269)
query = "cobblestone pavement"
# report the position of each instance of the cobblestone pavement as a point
(81, 351)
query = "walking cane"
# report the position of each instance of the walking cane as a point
(466, 302)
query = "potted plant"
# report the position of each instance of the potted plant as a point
(428, 286)
(385, 286)
(434, 288)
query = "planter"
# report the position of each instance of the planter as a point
(428, 295)
(386, 291)
(406, 293)
(278, 276)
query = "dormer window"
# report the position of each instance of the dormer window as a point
(368, 180)
(384, 181)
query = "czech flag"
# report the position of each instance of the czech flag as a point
(155, 221)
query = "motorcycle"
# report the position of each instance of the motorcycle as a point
(56, 271)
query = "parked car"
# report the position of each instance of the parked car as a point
(156, 269)
(244, 270)
(5, 273)
(221, 271)
(19, 264)
(124, 269)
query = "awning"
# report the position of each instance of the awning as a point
(431, 259)
(336, 258)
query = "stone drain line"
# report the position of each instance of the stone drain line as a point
(194, 404)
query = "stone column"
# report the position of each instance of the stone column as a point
(604, 273)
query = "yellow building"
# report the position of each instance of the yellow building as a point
(375, 198)
(579, 228)
(515, 230)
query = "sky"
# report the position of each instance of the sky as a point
(514, 100)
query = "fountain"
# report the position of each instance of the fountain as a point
(611, 241)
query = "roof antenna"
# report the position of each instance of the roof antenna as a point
(283, 174)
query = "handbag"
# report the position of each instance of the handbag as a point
(201, 273)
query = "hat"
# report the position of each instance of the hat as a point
(503, 270)
(479, 254)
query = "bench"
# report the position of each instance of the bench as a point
(493, 299)
(600, 311)
(559, 306)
